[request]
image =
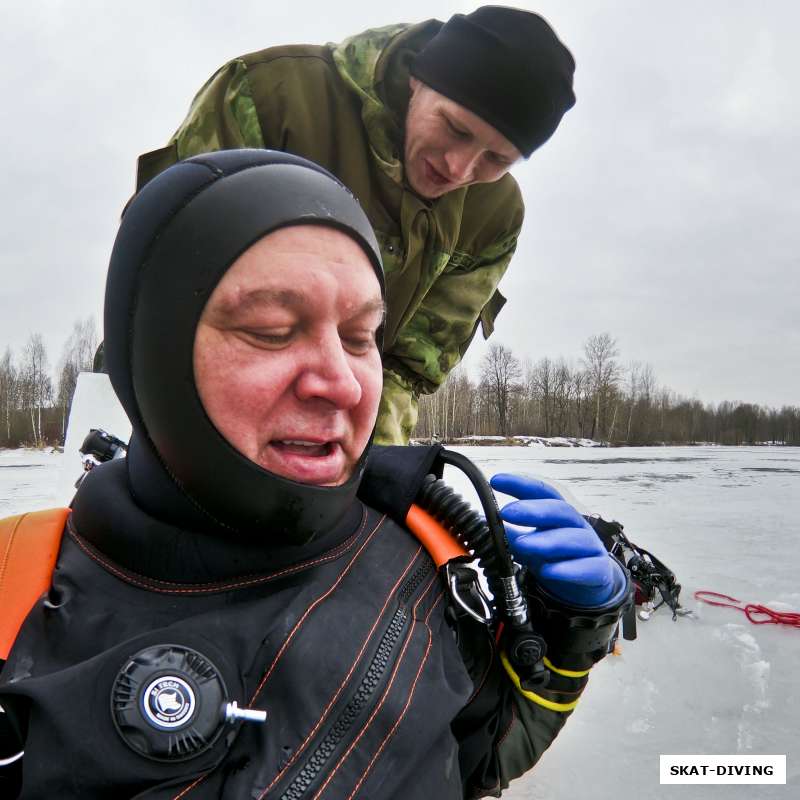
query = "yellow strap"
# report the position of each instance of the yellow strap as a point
(534, 698)
(567, 673)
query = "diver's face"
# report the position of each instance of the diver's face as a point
(285, 358)
(447, 146)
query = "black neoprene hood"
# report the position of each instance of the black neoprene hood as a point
(177, 239)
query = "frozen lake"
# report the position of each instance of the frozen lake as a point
(724, 519)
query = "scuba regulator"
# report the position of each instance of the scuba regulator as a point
(520, 612)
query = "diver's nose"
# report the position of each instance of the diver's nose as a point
(328, 374)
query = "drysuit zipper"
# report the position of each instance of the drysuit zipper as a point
(361, 698)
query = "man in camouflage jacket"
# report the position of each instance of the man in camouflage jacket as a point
(422, 123)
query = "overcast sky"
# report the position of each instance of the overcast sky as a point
(665, 210)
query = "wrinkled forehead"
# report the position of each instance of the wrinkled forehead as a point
(301, 268)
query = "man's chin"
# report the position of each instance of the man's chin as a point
(426, 191)
(421, 186)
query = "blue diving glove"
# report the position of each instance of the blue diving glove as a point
(563, 553)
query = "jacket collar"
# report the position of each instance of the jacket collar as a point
(375, 66)
(106, 515)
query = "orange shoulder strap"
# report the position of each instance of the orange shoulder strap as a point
(29, 545)
(434, 537)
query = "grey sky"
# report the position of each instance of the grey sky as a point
(664, 210)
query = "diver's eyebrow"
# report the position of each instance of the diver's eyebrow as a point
(238, 304)
(370, 307)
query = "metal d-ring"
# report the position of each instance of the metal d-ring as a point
(7, 762)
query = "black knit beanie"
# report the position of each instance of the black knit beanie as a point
(505, 65)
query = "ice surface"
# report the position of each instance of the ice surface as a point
(724, 519)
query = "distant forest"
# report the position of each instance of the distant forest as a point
(596, 397)
(35, 404)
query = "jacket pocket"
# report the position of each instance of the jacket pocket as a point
(489, 313)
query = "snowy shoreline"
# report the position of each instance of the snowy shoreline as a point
(568, 441)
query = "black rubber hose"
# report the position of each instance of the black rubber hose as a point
(469, 527)
(486, 538)
(504, 565)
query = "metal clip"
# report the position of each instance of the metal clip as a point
(452, 576)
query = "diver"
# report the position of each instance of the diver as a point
(238, 608)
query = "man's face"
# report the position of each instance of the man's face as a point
(447, 146)
(285, 358)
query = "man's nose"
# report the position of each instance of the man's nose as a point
(328, 374)
(461, 162)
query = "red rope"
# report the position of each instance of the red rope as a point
(757, 614)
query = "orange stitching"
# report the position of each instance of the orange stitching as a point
(399, 719)
(302, 619)
(151, 585)
(373, 715)
(190, 787)
(385, 693)
(412, 689)
(435, 603)
(294, 630)
(431, 582)
(345, 680)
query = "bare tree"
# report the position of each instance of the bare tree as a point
(37, 389)
(563, 394)
(634, 370)
(67, 380)
(76, 357)
(543, 385)
(9, 391)
(600, 353)
(557, 398)
(500, 374)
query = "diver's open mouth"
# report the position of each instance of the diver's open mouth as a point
(303, 448)
(320, 462)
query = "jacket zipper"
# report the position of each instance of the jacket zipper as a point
(372, 679)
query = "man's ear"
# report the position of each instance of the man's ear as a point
(414, 83)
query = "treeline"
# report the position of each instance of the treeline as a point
(34, 408)
(595, 398)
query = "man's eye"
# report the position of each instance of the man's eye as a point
(498, 161)
(359, 345)
(459, 132)
(272, 338)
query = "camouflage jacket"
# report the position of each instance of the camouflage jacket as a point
(343, 106)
